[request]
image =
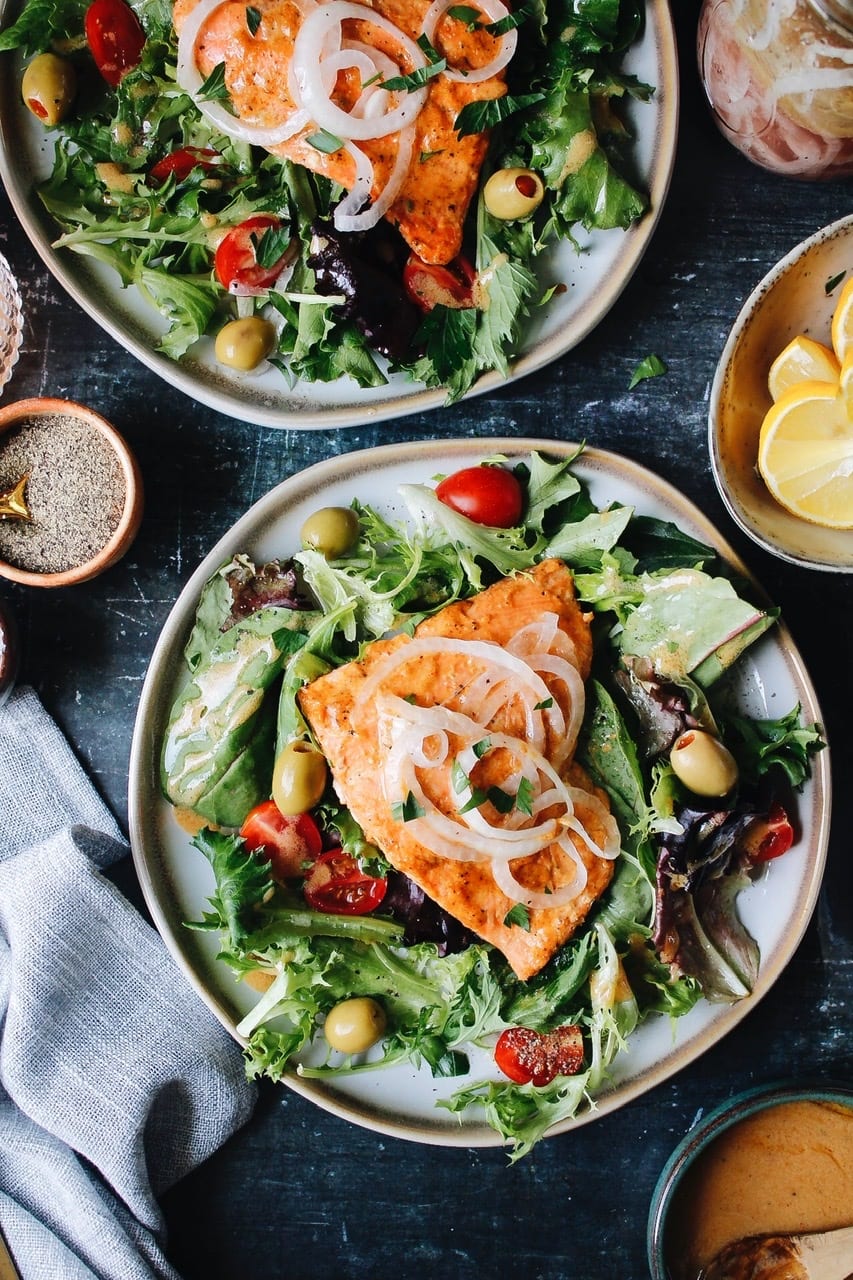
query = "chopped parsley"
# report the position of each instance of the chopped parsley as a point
(518, 916)
(214, 88)
(407, 810)
(651, 367)
(415, 79)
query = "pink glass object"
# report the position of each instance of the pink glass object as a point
(779, 77)
(11, 322)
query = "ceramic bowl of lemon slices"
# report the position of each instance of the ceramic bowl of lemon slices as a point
(781, 412)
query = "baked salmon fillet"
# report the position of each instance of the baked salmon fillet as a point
(453, 749)
(444, 169)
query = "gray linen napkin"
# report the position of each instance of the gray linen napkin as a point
(115, 1080)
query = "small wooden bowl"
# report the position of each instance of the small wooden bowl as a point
(21, 411)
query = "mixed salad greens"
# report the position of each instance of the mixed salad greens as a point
(669, 626)
(144, 182)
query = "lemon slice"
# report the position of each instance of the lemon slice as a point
(805, 454)
(842, 322)
(845, 379)
(802, 360)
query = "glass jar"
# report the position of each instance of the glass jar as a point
(779, 77)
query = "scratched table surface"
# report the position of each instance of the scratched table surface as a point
(299, 1193)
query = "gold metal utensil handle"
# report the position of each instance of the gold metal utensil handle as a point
(8, 1270)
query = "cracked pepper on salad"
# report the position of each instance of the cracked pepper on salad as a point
(335, 188)
(479, 778)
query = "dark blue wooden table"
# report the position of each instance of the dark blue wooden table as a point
(299, 1193)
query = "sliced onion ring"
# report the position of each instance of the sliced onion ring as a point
(189, 79)
(314, 94)
(494, 11)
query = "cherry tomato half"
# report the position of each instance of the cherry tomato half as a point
(337, 884)
(236, 259)
(536, 1057)
(428, 285)
(115, 38)
(181, 163)
(486, 495)
(288, 843)
(770, 836)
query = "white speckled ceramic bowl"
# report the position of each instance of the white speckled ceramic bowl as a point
(794, 298)
(702, 1134)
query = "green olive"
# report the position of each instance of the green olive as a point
(354, 1025)
(244, 344)
(49, 87)
(703, 764)
(513, 193)
(298, 777)
(332, 530)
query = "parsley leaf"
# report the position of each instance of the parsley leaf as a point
(465, 14)
(253, 20)
(415, 79)
(271, 246)
(214, 88)
(502, 800)
(477, 117)
(406, 810)
(459, 778)
(518, 915)
(651, 367)
(524, 797)
(471, 18)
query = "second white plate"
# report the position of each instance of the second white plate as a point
(594, 278)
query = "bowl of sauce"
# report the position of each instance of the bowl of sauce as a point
(777, 1160)
(796, 298)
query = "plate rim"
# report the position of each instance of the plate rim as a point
(180, 374)
(176, 628)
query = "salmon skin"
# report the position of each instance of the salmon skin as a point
(444, 171)
(343, 709)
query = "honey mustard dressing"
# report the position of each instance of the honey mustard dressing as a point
(784, 1170)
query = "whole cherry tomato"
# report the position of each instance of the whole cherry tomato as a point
(115, 38)
(236, 259)
(288, 843)
(537, 1057)
(486, 495)
(428, 285)
(769, 837)
(337, 884)
(180, 163)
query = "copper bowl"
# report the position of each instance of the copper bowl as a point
(13, 415)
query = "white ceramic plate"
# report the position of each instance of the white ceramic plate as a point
(177, 880)
(594, 279)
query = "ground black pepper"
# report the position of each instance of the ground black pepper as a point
(76, 493)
